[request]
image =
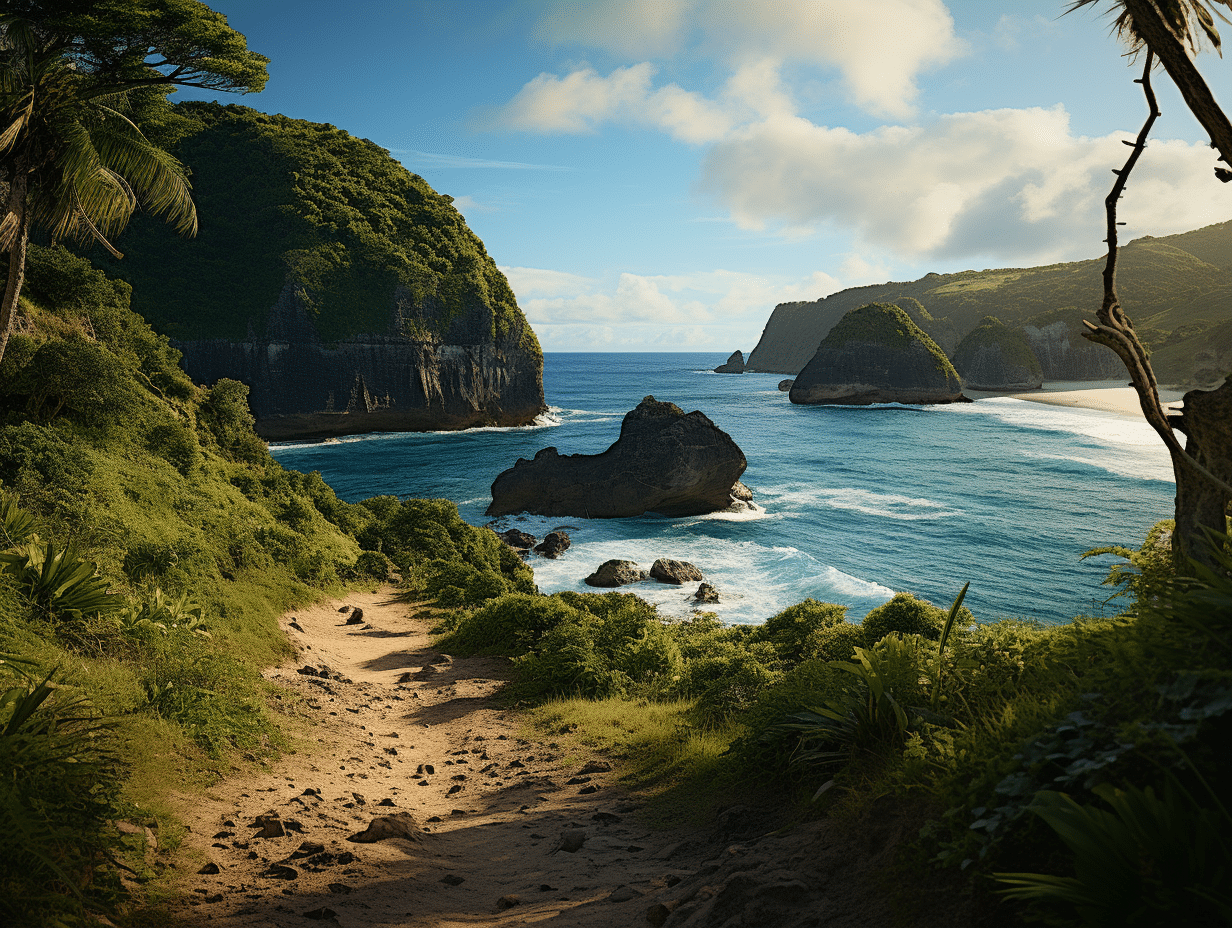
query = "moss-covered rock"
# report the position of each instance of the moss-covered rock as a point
(877, 354)
(994, 356)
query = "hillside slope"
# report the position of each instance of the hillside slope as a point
(340, 287)
(1173, 294)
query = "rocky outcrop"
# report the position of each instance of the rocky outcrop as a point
(665, 461)
(876, 354)
(706, 593)
(666, 570)
(554, 544)
(402, 379)
(1065, 355)
(517, 539)
(786, 385)
(733, 365)
(995, 357)
(616, 573)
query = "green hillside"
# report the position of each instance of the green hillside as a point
(1174, 288)
(283, 201)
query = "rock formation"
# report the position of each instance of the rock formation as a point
(665, 570)
(665, 461)
(876, 354)
(995, 357)
(706, 593)
(554, 544)
(786, 385)
(733, 365)
(616, 573)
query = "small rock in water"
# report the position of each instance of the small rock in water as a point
(665, 570)
(554, 544)
(616, 573)
(706, 594)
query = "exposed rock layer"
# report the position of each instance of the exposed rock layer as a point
(665, 461)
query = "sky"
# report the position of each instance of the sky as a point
(656, 175)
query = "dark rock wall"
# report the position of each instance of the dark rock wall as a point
(401, 380)
(1065, 355)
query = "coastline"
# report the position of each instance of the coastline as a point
(1104, 396)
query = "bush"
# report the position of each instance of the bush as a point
(835, 642)
(910, 616)
(792, 629)
(512, 624)
(176, 444)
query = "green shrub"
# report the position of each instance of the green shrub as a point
(176, 444)
(792, 629)
(58, 582)
(149, 559)
(910, 616)
(372, 565)
(835, 642)
(225, 414)
(511, 624)
(728, 678)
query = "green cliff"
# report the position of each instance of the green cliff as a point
(994, 356)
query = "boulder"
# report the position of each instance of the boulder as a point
(995, 357)
(786, 385)
(665, 461)
(665, 570)
(554, 544)
(517, 539)
(734, 364)
(616, 573)
(877, 354)
(706, 594)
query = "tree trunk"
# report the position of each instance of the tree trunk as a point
(1152, 27)
(18, 186)
(1202, 504)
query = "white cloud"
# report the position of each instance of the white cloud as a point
(712, 310)
(878, 46)
(1013, 183)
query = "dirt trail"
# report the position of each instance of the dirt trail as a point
(400, 731)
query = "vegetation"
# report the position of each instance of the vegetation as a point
(1013, 344)
(71, 157)
(304, 208)
(885, 324)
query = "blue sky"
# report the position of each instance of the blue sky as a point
(655, 175)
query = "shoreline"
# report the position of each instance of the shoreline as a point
(1112, 396)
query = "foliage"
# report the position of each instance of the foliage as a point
(1143, 574)
(1013, 343)
(797, 632)
(885, 324)
(59, 784)
(331, 221)
(907, 615)
(59, 583)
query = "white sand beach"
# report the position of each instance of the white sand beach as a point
(1105, 396)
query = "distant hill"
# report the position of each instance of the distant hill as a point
(1177, 289)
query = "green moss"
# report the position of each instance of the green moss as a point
(888, 325)
(1015, 348)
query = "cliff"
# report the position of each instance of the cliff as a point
(665, 461)
(995, 357)
(340, 287)
(1178, 291)
(877, 354)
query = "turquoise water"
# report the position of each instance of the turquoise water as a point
(859, 502)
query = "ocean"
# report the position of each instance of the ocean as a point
(857, 503)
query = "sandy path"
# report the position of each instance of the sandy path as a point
(1101, 396)
(396, 734)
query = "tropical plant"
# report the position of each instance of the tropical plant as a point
(1143, 860)
(58, 581)
(158, 614)
(16, 523)
(71, 79)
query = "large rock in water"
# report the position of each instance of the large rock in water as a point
(665, 461)
(341, 288)
(733, 365)
(876, 354)
(995, 357)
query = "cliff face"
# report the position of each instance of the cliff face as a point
(876, 354)
(347, 293)
(1178, 291)
(300, 387)
(995, 357)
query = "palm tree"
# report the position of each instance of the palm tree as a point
(79, 166)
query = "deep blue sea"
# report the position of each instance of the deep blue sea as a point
(859, 502)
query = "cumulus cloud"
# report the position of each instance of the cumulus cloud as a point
(877, 46)
(1012, 182)
(713, 310)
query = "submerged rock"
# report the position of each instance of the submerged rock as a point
(517, 539)
(876, 354)
(616, 573)
(733, 365)
(665, 461)
(786, 385)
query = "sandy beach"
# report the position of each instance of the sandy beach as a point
(1105, 396)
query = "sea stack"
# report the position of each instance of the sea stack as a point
(995, 357)
(665, 461)
(876, 354)
(733, 365)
